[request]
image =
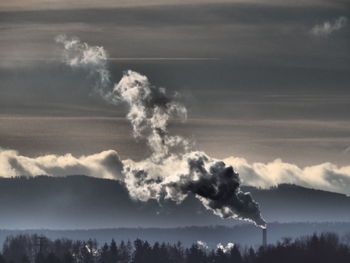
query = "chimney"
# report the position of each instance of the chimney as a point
(264, 237)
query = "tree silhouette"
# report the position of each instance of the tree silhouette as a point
(235, 255)
(104, 256)
(323, 248)
(195, 254)
(125, 252)
(113, 252)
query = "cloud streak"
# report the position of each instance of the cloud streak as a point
(328, 27)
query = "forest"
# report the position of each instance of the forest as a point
(324, 247)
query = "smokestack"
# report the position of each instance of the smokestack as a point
(264, 237)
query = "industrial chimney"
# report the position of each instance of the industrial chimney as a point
(264, 237)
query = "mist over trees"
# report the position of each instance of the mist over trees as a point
(325, 247)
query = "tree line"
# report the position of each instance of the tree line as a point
(325, 247)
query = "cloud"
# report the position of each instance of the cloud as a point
(329, 27)
(106, 164)
(324, 176)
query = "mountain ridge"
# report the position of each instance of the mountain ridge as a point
(79, 201)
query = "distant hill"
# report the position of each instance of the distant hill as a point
(78, 202)
(292, 203)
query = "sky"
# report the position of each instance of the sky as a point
(262, 80)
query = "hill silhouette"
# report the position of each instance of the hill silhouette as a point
(78, 202)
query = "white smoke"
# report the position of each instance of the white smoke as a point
(203, 245)
(92, 58)
(150, 110)
(325, 176)
(172, 171)
(329, 27)
(226, 249)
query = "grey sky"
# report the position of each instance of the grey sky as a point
(275, 91)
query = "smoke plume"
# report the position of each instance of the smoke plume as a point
(150, 110)
(150, 107)
(215, 184)
(93, 59)
(173, 171)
